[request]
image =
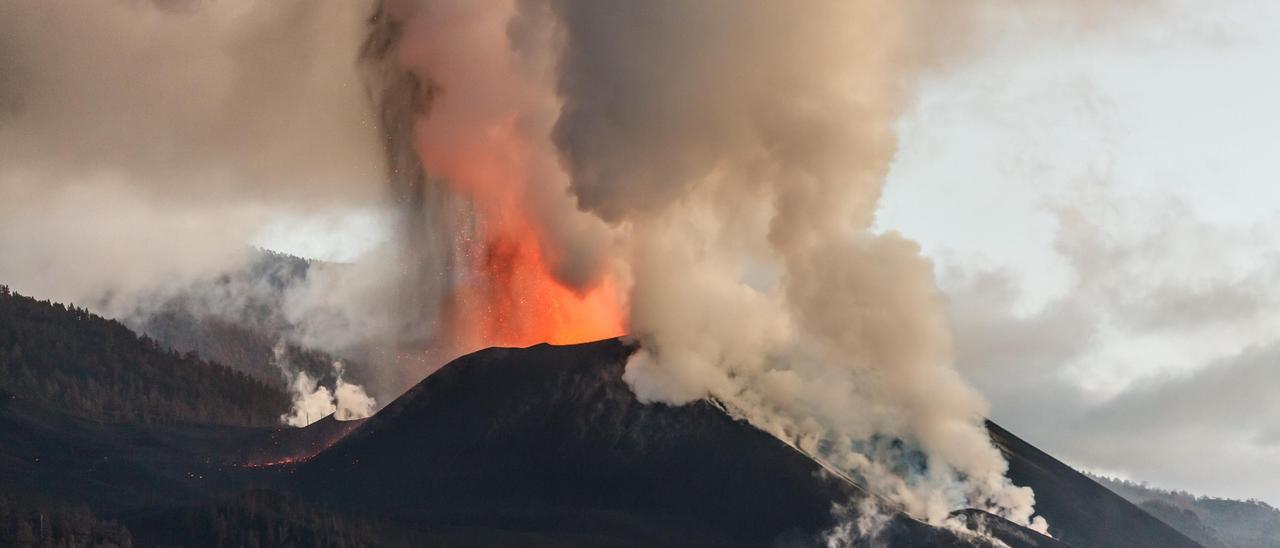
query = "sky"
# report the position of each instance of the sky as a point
(1101, 208)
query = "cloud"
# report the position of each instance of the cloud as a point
(144, 141)
(1137, 369)
(1210, 431)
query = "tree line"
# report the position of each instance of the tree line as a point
(92, 366)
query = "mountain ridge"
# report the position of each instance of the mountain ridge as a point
(1213, 521)
(100, 368)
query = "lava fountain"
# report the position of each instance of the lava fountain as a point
(506, 293)
(496, 253)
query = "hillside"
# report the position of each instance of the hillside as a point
(551, 440)
(1215, 522)
(265, 518)
(247, 350)
(237, 319)
(1079, 510)
(34, 521)
(95, 367)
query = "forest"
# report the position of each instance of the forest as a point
(95, 367)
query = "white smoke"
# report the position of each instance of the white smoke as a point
(858, 523)
(349, 399)
(313, 401)
(734, 142)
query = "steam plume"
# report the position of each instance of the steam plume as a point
(740, 138)
(313, 401)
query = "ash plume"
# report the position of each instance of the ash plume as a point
(491, 250)
(740, 148)
(736, 142)
(425, 253)
(725, 159)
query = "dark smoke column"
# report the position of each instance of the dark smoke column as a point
(426, 257)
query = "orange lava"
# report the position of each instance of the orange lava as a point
(279, 462)
(507, 295)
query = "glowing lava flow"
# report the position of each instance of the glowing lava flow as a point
(290, 446)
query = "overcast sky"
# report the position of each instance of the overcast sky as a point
(1102, 209)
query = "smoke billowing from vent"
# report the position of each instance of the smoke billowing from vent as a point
(312, 401)
(725, 159)
(749, 143)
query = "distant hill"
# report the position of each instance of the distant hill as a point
(95, 367)
(1080, 511)
(237, 319)
(244, 349)
(1214, 522)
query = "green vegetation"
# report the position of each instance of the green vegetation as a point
(240, 348)
(95, 367)
(261, 518)
(35, 523)
(1212, 521)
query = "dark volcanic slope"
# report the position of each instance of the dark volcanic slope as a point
(84, 363)
(551, 440)
(1080, 511)
(547, 439)
(122, 467)
(111, 466)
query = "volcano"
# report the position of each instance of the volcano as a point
(538, 446)
(549, 440)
